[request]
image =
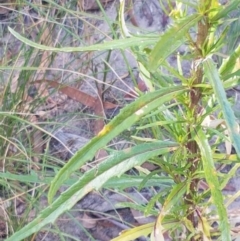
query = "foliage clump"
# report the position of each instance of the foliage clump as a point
(180, 112)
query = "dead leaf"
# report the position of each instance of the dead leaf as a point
(76, 94)
(37, 145)
(204, 186)
(99, 124)
(99, 112)
(88, 222)
(133, 94)
(142, 86)
(140, 218)
(101, 155)
(130, 12)
(149, 166)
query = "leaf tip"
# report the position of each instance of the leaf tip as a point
(10, 29)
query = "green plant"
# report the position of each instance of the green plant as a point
(181, 113)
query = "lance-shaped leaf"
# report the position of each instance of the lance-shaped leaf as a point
(140, 41)
(172, 199)
(223, 11)
(126, 118)
(213, 183)
(217, 85)
(116, 164)
(230, 64)
(171, 40)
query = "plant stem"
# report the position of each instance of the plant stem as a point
(194, 106)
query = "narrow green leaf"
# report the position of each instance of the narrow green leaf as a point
(212, 180)
(116, 164)
(32, 178)
(171, 40)
(233, 5)
(151, 203)
(231, 80)
(172, 199)
(214, 47)
(229, 64)
(137, 181)
(233, 127)
(138, 206)
(108, 45)
(147, 178)
(128, 116)
(174, 196)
